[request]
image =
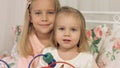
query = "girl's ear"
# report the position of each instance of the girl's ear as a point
(31, 19)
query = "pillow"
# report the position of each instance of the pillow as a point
(3, 54)
(95, 35)
(17, 31)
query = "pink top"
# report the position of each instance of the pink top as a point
(37, 48)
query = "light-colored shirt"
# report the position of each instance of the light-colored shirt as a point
(37, 49)
(82, 60)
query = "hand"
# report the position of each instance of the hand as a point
(62, 66)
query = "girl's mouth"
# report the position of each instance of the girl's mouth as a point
(66, 40)
(44, 24)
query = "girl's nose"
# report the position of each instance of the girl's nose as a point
(44, 17)
(67, 33)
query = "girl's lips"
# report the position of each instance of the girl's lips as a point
(44, 24)
(66, 40)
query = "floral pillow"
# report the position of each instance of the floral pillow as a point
(17, 31)
(95, 36)
(109, 54)
(11, 60)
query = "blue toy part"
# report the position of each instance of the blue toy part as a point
(5, 63)
(48, 58)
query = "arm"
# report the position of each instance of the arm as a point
(23, 62)
(91, 62)
(94, 64)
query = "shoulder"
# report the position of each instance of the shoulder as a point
(86, 59)
(89, 61)
(86, 55)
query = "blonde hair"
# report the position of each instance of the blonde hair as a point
(83, 42)
(24, 46)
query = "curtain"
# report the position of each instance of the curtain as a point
(11, 14)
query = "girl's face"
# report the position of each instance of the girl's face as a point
(42, 13)
(67, 32)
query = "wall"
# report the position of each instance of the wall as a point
(72, 3)
(94, 5)
(11, 13)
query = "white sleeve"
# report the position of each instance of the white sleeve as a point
(91, 62)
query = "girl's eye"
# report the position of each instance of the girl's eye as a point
(61, 28)
(51, 12)
(37, 13)
(73, 29)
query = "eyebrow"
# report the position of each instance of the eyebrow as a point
(47, 10)
(76, 26)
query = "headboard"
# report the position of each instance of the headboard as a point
(94, 18)
(108, 54)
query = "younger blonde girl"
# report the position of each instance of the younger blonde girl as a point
(70, 41)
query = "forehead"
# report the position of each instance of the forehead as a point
(68, 20)
(43, 4)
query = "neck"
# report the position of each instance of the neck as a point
(74, 49)
(63, 52)
(44, 39)
(43, 36)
